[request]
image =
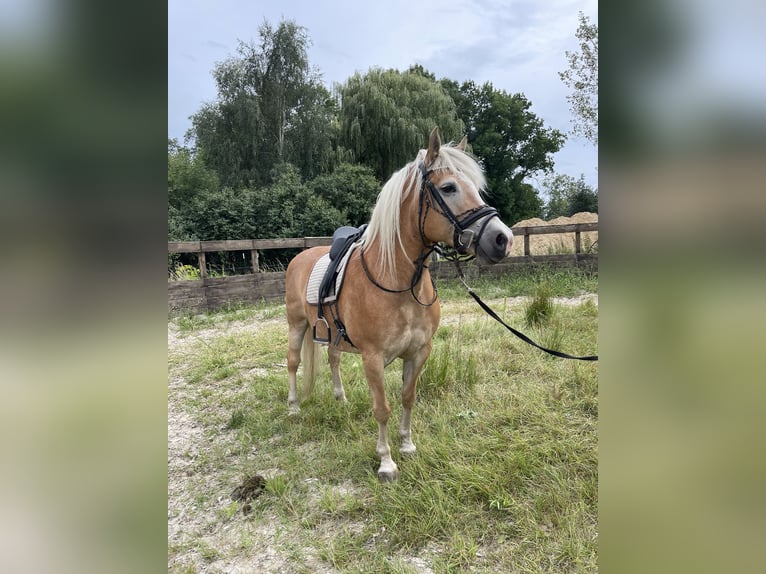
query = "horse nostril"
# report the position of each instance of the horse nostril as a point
(501, 240)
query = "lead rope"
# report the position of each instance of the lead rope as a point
(519, 334)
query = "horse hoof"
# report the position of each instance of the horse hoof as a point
(408, 452)
(293, 410)
(388, 476)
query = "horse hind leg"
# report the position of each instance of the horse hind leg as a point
(333, 355)
(410, 372)
(296, 333)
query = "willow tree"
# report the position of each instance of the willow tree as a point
(386, 116)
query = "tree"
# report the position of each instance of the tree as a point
(582, 78)
(271, 108)
(289, 208)
(584, 199)
(567, 196)
(387, 115)
(351, 189)
(286, 208)
(188, 176)
(558, 188)
(510, 141)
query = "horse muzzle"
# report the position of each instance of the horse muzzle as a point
(493, 241)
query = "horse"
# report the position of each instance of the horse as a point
(389, 304)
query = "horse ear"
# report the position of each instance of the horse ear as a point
(462, 144)
(434, 143)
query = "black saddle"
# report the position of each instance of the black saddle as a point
(342, 239)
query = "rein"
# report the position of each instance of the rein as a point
(420, 264)
(519, 334)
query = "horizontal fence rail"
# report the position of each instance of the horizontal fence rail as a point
(207, 293)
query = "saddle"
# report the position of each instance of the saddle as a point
(342, 240)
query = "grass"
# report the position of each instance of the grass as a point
(189, 322)
(560, 283)
(505, 478)
(539, 310)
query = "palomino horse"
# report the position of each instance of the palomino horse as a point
(388, 302)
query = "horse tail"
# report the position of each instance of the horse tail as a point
(310, 359)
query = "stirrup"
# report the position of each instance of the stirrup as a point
(318, 339)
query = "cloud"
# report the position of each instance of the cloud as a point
(519, 45)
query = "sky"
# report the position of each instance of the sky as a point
(518, 45)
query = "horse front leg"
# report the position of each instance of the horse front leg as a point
(333, 355)
(381, 410)
(410, 372)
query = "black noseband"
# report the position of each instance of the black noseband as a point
(460, 224)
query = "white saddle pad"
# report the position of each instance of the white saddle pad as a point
(317, 274)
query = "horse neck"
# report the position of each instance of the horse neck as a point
(414, 249)
(412, 240)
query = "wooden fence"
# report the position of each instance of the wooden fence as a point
(208, 293)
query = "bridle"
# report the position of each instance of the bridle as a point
(460, 225)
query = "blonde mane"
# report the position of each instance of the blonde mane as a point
(384, 223)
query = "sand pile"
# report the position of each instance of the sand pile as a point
(556, 243)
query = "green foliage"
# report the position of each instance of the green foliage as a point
(511, 143)
(222, 214)
(582, 78)
(351, 189)
(176, 225)
(584, 199)
(387, 115)
(567, 196)
(185, 273)
(187, 175)
(288, 208)
(271, 108)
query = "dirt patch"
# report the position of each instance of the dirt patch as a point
(206, 533)
(558, 242)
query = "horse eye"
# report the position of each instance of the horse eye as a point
(449, 188)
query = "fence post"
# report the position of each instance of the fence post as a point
(254, 257)
(202, 264)
(526, 244)
(578, 244)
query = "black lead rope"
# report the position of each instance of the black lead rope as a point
(519, 334)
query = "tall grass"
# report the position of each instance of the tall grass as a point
(539, 310)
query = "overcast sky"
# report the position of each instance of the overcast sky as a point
(518, 45)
